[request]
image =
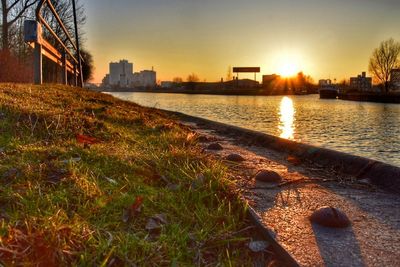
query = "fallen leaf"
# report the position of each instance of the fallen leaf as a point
(88, 140)
(191, 136)
(152, 225)
(161, 218)
(55, 176)
(138, 204)
(132, 210)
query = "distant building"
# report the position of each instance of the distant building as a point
(324, 82)
(267, 79)
(361, 82)
(167, 84)
(121, 75)
(243, 83)
(148, 78)
(395, 79)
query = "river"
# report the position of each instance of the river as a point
(370, 130)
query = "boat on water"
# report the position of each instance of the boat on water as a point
(328, 93)
(327, 90)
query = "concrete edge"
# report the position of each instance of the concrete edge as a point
(384, 175)
(281, 253)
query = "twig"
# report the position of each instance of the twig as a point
(58, 122)
(34, 125)
(242, 230)
(302, 180)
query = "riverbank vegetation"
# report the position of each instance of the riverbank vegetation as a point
(90, 180)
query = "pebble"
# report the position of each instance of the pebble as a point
(268, 176)
(330, 217)
(258, 246)
(215, 146)
(235, 158)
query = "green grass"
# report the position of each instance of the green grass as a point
(62, 202)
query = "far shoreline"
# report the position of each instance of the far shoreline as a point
(257, 91)
(252, 91)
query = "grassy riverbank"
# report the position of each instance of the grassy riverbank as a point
(86, 179)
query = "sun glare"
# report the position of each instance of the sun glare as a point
(288, 69)
(287, 63)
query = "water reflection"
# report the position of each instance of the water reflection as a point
(286, 123)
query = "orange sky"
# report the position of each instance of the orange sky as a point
(326, 39)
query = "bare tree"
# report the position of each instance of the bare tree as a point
(177, 80)
(65, 12)
(11, 11)
(192, 78)
(383, 60)
(229, 74)
(87, 65)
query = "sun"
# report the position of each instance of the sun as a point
(287, 62)
(288, 68)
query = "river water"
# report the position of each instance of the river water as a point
(370, 130)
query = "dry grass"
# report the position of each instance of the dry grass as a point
(67, 203)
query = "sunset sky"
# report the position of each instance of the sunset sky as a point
(323, 38)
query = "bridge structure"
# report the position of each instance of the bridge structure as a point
(68, 57)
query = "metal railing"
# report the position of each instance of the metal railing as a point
(70, 61)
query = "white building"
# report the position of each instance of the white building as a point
(121, 75)
(145, 78)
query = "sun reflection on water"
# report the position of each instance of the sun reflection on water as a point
(286, 123)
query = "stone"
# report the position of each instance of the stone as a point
(268, 176)
(330, 217)
(235, 158)
(215, 146)
(258, 246)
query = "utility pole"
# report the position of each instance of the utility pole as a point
(78, 51)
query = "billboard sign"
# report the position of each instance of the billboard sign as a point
(246, 69)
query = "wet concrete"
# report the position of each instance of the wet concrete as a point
(373, 239)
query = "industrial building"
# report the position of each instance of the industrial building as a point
(395, 79)
(122, 76)
(361, 82)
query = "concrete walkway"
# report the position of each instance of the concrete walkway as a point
(374, 236)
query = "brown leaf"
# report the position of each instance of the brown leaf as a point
(86, 140)
(132, 210)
